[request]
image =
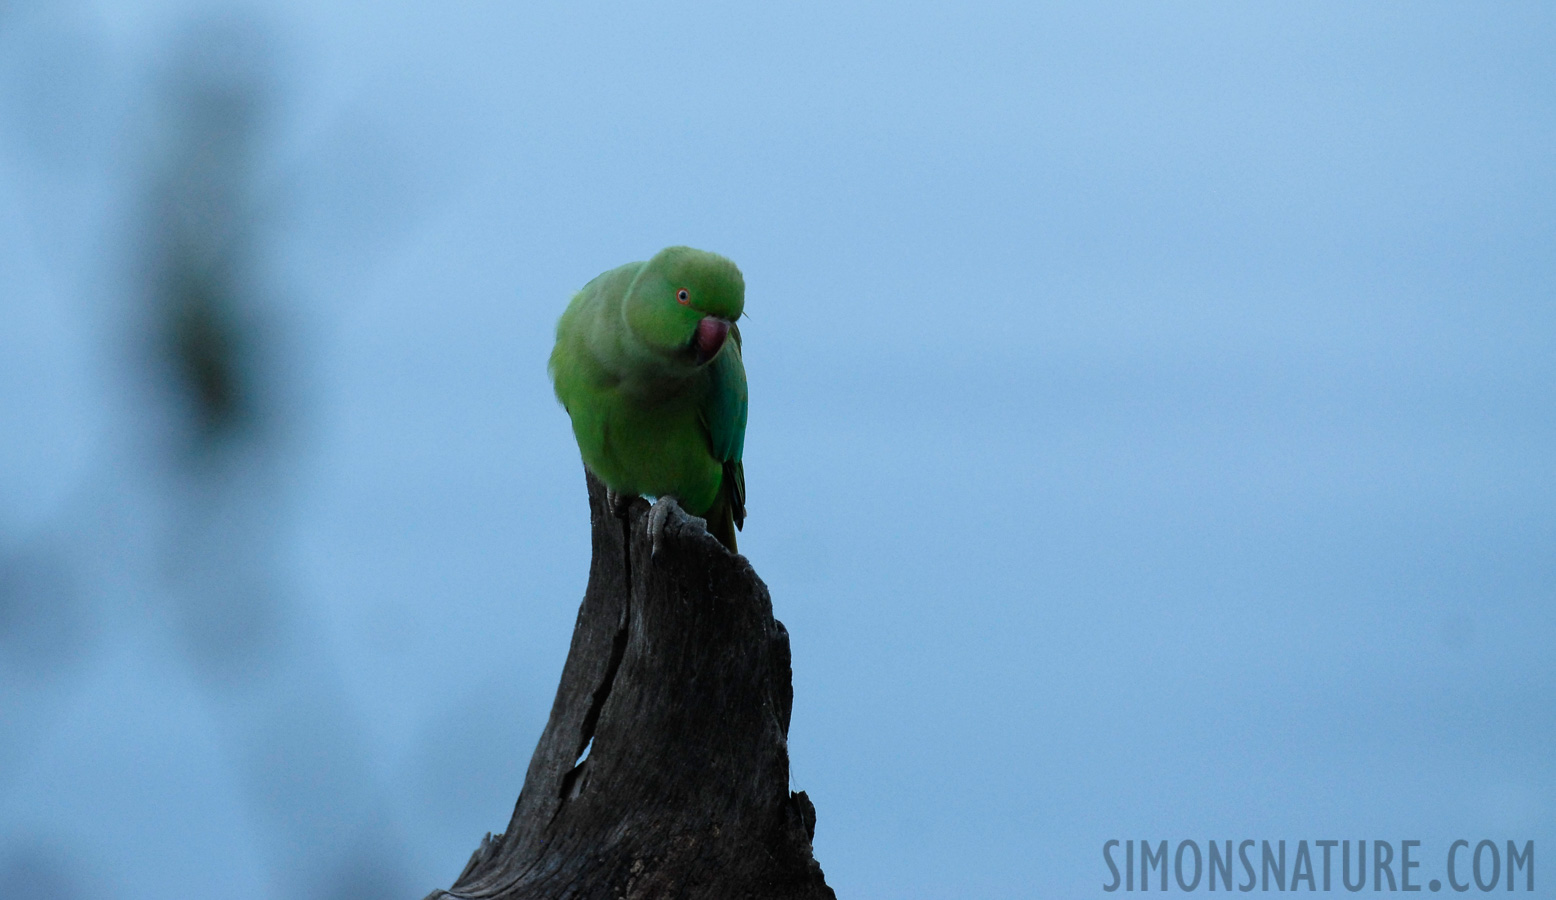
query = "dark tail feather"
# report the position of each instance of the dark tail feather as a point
(722, 525)
(729, 511)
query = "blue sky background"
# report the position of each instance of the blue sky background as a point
(1152, 426)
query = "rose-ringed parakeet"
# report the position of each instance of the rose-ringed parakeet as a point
(647, 365)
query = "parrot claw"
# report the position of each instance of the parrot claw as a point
(659, 515)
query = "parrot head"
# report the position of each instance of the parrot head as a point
(684, 302)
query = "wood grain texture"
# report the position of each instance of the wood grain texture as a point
(664, 768)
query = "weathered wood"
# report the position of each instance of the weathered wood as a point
(664, 768)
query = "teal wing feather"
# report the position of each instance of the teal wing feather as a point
(724, 416)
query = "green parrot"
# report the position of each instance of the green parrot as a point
(645, 366)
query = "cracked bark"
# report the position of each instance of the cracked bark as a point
(664, 768)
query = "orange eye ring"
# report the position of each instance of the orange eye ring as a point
(683, 297)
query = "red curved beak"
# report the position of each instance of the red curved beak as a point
(709, 338)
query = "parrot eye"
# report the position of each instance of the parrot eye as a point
(682, 297)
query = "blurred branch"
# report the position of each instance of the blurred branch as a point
(202, 232)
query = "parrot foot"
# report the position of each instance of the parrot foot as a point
(618, 503)
(658, 515)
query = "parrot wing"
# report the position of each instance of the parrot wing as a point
(724, 417)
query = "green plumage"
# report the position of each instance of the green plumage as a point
(657, 408)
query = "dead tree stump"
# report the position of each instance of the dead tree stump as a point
(664, 768)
